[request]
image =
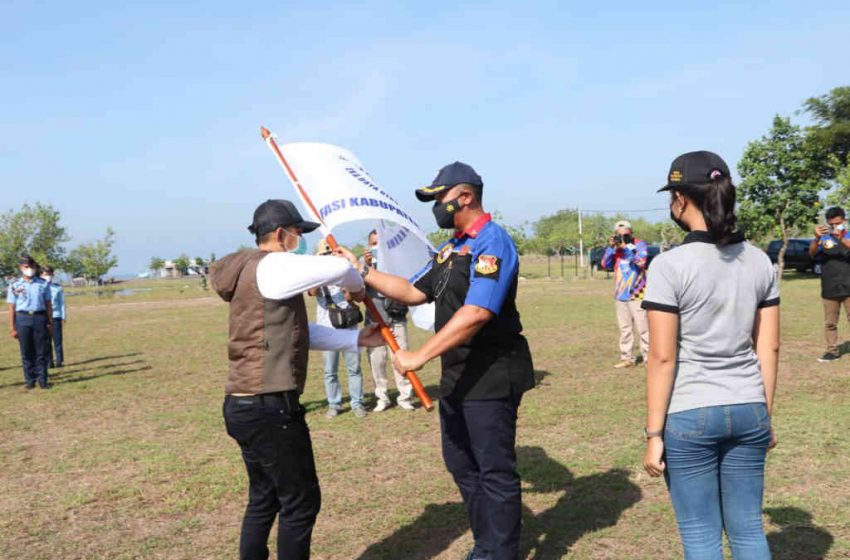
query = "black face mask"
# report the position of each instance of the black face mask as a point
(445, 213)
(679, 222)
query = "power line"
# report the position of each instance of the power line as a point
(642, 211)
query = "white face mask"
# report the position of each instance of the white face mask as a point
(47, 278)
(841, 227)
(28, 272)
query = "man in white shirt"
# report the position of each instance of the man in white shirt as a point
(269, 342)
(394, 314)
(327, 296)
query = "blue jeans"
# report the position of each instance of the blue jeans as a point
(355, 379)
(715, 473)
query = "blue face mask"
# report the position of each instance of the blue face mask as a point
(302, 247)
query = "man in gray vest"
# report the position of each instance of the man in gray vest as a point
(268, 348)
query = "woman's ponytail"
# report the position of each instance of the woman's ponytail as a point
(718, 209)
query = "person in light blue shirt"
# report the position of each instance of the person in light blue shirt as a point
(55, 348)
(30, 318)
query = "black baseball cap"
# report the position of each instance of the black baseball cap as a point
(695, 168)
(275, 213)
(27, 260)
(449, 176)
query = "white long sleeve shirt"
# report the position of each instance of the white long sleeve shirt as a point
(284, 275)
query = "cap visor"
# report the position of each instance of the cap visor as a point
(307, 227)
(667, 188)
(425, 194)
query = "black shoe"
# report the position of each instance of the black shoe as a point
(60, 365)
(45, 386)
(828, 357)
(30, 387)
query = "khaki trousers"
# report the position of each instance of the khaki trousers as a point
(832, 313)
(630, 315)
(378, 358)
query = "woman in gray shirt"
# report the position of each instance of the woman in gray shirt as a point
(713, 313)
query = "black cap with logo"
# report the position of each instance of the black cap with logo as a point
(695, 168)
(449, 176)
(273, 214)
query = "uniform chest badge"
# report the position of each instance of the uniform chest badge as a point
(829, 243)
(487, 265)
(445, 253)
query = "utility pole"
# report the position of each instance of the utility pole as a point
(580, 240)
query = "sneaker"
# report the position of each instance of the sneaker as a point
(406, 405)
(381, 406)
(332, 413)
(360, 412)
(828, 357)
(624, 364)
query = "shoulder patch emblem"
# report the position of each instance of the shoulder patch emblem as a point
(445, 253)
(487, 265)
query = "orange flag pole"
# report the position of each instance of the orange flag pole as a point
(386, 332)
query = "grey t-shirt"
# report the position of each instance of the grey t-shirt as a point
(716, 292)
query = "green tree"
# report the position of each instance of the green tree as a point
(182, 264)
(840, 193)
(93, 260)
(156, 265)
(439, 236)
(831, 132)
(780, 184)
(34, 229)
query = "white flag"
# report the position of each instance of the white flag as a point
(342, 191)
(403, 254)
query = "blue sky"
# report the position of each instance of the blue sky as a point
(147, 117)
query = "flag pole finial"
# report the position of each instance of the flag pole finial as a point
(264, 132)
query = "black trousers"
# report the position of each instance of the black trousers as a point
(55, 343)
(32, 338)
(278, 455)
(479, 448)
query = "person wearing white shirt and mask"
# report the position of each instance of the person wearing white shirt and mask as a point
(333, 300)
(269, 343)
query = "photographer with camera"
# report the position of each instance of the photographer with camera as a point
(395, 315)
(628, 255)
(832, 245)
(335, 309)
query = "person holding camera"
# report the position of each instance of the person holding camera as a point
(395, 315)
(335, 309)
(628, 255)
(832, 245)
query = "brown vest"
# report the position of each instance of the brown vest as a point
(269, 339)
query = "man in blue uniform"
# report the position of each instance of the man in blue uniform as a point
(486, 363)
(57, 302)
(30, 318)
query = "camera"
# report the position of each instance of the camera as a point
(624, 238)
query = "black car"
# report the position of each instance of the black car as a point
(796, 255)
(597, 253)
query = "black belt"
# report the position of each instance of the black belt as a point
(288, 400)
(30, 312)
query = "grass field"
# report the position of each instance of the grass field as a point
(127, 456)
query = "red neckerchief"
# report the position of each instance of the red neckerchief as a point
(475, 228)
